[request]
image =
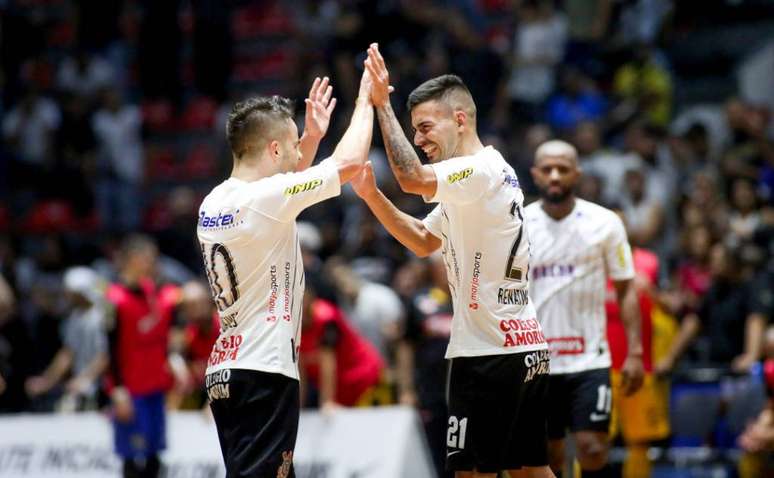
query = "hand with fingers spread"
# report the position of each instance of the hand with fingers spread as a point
(319, 106)
(381, 89)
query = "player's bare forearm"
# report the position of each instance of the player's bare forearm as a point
(408, 230)
(413, 177)
(327, 375)
(630, 315)
(352, 151)
(689, 329)
(755, 328)
(308, 146)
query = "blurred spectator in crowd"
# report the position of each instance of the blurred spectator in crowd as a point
(341, 365)
(745, 216)
(758, 437)
(374, 309)
(643, 417)
(75, 145)
(750, 148)
(175, 238)
(84, 75)
(692, 274)
(643, 86)
(83, 356)
(16, 349)
(29, 130)
(643, 213)
(731, 315)
(200, 329)
(423, 364)
(139, 369)
(538, 48)
(589, 21)
(577, 100)
(646, 142)
(120, 162)
(608, 164)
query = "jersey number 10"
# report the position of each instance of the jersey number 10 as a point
(224, 285)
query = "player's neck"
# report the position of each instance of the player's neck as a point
(559, 210)
(469, 146)
(249, 171)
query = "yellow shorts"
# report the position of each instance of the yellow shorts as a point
(644, 416)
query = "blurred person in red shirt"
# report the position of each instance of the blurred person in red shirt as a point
(342, 365)
(201, 329)
(141, 372)
(643, 416)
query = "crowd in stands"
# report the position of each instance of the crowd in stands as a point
(113, 117)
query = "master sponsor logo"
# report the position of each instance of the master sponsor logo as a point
(475, 281)
(459, 175)
(225, 219)
(512, 296)
(567, 345)
(303, 187)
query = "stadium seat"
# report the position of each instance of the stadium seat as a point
(199, 115)
(162, 163)
(260, 20)
(158, 116)
(201, 162)
(51, 216)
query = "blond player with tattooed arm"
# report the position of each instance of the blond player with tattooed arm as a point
(498, 355)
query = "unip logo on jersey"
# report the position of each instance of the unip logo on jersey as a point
(459, 175)
(303, 187)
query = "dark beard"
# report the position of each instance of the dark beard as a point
(555, 198)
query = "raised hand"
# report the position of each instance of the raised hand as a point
(380, 77)
(364, 182)
(319, 106)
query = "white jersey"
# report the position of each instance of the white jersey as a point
(486, 252)
(570, 259)
(249, 240)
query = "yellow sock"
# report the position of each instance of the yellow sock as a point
(637, 464)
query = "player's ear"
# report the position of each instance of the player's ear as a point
(462, 119)
(274, 150)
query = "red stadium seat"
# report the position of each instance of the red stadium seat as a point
(162, 163)
(158, 116)
(51, 216)
(200, 114)
(5, 219)
(267, 19)
(201, 162)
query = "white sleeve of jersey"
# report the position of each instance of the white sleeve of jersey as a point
(432, 221)
(284, 196)
(460, 180)
(618, 253)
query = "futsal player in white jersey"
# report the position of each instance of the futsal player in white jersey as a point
(249, 241)
(499, 363)
(575, 245)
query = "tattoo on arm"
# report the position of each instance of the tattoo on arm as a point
(403, 158)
